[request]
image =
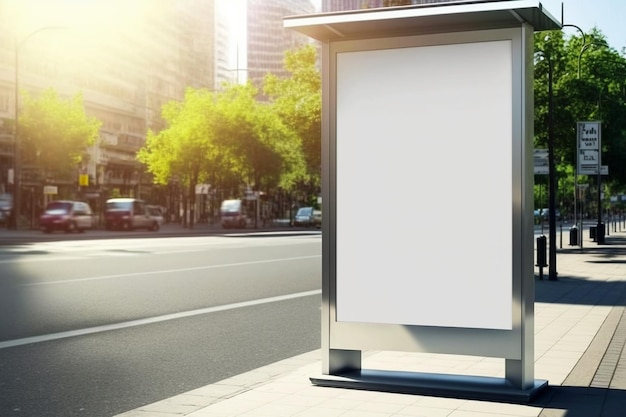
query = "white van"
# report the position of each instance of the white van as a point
(128, 214)
(233, 214)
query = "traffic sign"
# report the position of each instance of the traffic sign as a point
(589, 145)
(589, 135)
(540, 159)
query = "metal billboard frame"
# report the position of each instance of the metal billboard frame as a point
(343, 342)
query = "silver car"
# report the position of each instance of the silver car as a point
(65, 215)
(128, 214)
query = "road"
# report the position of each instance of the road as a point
(98, 327)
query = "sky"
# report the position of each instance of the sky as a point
(607, 15)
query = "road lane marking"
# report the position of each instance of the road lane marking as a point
(46, 251)
(152, 320)
(167, 271)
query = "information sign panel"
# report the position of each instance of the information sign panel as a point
(589, 135)
(589, 144)
(541, 162)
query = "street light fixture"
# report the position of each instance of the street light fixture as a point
(584, 48)
(17, 166)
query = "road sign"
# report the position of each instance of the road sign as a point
(540, 159)
(203, 188)
(589, 135)
(589, 145)
(50, 190)
(588, 162)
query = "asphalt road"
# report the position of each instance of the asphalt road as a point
(98, 327)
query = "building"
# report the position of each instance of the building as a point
(127, 59)
(126, 71)
(268, 40)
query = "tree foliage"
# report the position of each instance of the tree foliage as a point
(263, 151)
(589, 83)
(183, 150)
(54, 133)
(298, 101)
(224, 137)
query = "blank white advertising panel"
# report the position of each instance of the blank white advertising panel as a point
(424, 186)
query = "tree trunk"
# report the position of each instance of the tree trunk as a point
(192, 203)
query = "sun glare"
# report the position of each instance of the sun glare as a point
(88, 24)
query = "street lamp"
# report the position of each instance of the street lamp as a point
(584, 48)
(17, 168)
(552, 273)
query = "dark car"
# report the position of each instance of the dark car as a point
(544, 214)
(6, 205)
(65, 215)
(304, 217)
(129, 214)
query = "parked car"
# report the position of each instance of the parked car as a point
(544, 214)
(157, 214)
(233, 214)
(6, 205)
(317, 218)
(65, 215)
(128, 214)
(304, 217)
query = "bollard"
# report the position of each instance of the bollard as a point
(592, 233)
(600, 233)
(541, 254)
(573, 236)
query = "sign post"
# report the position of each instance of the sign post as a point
(589, 152)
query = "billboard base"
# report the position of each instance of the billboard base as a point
(437, 385)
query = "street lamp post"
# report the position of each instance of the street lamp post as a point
(17, 161)
(599, 225)
(15, 210)
(552, 272)
(579, 240)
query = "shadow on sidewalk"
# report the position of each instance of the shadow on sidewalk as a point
(567, 290)
(569, 401)
(612, 247)
(578, 287)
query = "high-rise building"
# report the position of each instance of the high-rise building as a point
(268, 40)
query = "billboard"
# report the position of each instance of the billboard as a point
(449, 112)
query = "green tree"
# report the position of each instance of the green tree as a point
(298, 101)
(54, 133)
(222, 137)
(185, 148)
(262, 150)
(589, 83)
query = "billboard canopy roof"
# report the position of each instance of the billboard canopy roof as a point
(423, 19)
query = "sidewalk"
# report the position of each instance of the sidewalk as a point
(580, 328)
